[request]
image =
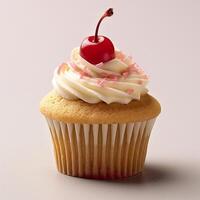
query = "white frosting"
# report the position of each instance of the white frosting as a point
(119, 80)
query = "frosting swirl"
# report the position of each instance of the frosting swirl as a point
(119, 80)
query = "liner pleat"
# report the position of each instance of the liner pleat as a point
(105, 151)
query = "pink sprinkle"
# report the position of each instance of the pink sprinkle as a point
(113, 77)
(81, 74)
(132, 68)
(120, 56)
(139, 69)
(129, 91)
(110, 76)
(101, 82)
(125, 74)
(84, 73)
(99, 64)
(87, 71)
(136, 66)
(62, 68)
(74, 66)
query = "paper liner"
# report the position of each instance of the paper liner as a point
(100, 150)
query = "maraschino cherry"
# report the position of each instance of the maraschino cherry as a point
(98, 49)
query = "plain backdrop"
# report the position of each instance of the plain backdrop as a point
(163, 36)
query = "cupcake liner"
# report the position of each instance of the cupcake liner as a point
(100, 150)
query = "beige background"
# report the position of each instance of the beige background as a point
(37, 35)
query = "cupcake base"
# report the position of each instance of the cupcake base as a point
(101, 151)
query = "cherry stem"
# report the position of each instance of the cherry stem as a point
(108, 13)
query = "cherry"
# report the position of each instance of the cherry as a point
(96, 49)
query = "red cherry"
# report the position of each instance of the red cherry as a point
(96, 49)
(97, 52)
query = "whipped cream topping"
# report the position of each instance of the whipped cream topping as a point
(119, 80)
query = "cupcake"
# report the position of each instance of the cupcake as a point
(99, 112)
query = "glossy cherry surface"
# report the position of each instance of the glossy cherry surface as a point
(96, 49)
(97, 52)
